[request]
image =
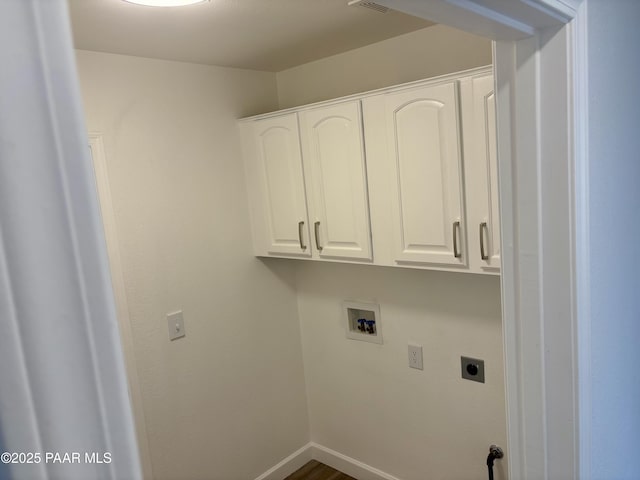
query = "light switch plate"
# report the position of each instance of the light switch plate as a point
(175, 322)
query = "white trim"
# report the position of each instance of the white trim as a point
(289, 465)
(485, 12)
(580, 232)
(559, 10)
(18, 400)
(337, 460)
(505, 67)
(536, 181)
(122, 306)
(505, 21)
(348, 465)
(522, 227)
(55, 281)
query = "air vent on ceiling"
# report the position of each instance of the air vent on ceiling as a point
(369, 5)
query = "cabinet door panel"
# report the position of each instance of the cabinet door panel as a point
(478, 107)
(422, 131)
(336, 175)
(491, 138)
(280, 168)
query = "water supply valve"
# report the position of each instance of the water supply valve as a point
(495, 452)
(361, 327)
(371, 327)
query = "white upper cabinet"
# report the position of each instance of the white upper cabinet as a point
(335, 173)
(423, 170)
(404, 176)
(481, 172)
(273, 166)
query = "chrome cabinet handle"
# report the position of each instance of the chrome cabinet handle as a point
(483, 229)
(302, 245)
(456, 233)
(316, 227)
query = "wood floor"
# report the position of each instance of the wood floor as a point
(315, 470)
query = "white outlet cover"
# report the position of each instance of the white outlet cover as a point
(175, 323)
(415, 356)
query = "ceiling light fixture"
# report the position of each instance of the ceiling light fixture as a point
(165, 3)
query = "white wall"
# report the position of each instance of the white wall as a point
(421, 54)
(228, 400)
(364, 401)
(614, 163)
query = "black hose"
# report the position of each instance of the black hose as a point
(494, 452)
(490, 460)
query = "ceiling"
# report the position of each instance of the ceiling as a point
(270, 35)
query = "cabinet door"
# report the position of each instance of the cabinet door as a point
(481, 172)
(334, 159)
(275, 164)
(425, 181)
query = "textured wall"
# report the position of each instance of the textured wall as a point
(364, 401)
(227, 401)
(614, 170)
(421, 54)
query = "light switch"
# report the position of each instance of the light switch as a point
(175, 322)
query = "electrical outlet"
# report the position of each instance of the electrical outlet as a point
(415, 356)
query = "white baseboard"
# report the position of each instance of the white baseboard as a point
(314, 451)
(289, 465)
(348, 465)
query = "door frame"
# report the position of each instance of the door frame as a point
(543, 144)
(119, 292)
(540, 66)
(66, 386)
